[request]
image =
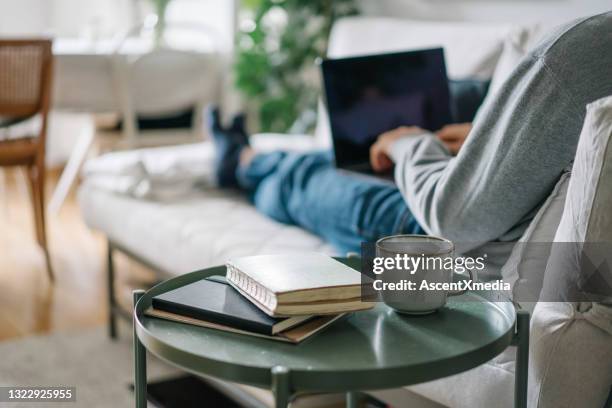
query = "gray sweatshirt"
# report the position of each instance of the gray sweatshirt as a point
(521, 142)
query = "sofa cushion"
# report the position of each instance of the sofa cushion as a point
(570, 355)
(197, 231)
(565, 322)
(525, 267)
(489, 385)
(471, 49)
(587, 217)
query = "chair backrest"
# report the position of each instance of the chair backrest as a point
(25, 77)
(166, 78)
(165, 81)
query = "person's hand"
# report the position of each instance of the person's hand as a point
(454, 135)
(380, 158)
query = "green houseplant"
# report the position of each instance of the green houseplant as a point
(275, 66)
(160, 7)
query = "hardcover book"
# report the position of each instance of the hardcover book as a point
(293, 335)
(214, 301)
(297, 284)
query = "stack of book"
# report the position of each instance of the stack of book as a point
(281, 297)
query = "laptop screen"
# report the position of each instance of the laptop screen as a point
(369, 95)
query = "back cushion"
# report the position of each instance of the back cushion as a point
(525, 267)
(575, 271)
(471, 49)
(571, 336)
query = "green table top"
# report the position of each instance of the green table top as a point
(373, 349)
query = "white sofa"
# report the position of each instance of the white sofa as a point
(224, 224)
(208, 226)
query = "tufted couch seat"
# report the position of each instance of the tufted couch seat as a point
(204, 229)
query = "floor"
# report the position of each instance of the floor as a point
(29, 303)
(99, 369)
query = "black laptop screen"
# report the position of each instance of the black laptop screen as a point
(369, 95)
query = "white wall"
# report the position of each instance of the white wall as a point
(105, 18)
(522, 11)
(67, 18)
(22, 17)
(93, 18)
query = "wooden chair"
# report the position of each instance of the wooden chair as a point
(25, 87)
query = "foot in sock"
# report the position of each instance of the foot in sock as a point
(229, 142)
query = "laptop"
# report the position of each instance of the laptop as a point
(369, 95)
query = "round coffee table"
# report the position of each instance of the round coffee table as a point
(367, 350)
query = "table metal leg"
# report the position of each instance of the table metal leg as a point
(353, 398)
(522, 359)
(140, 364)
(281, 386)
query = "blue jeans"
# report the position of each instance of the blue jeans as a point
(307, 190)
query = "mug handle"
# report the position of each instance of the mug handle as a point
(461, 292)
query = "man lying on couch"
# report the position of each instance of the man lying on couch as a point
(520, 143)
